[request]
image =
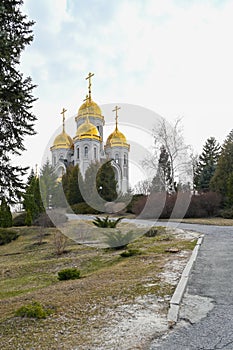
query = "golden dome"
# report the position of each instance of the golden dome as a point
(90, 108)
(63, 140)
(87, 130)
(116, 139)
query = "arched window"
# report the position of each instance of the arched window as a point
(125, 159)
(95, 153)
(78, 155)
(117, 158)
(54, 160)
(86, 152)
(61, 156)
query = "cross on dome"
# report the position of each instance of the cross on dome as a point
(116, 118)
(90, 75)
(63, 118)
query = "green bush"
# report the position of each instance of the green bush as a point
(153, 231)
(106, 222)
(6, 236)
(83, 208)
(68, 274)
(119, 240)
(130, 252)
(19, 220)
(227, 213)
(33, 310)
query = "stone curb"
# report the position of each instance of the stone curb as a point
(175, 301)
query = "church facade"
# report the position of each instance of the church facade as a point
(87, 145)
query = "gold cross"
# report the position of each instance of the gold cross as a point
(85, 99)
(63, 118)
(90, 75)
(115, 110)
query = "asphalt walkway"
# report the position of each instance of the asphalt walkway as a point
(208, 325)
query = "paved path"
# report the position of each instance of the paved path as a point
(211, 282)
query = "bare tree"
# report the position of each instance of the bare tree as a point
(143, 187)
(171, 138)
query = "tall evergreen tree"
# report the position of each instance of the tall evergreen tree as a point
(106, 182)
(222, 179)
(206, 166)
(163, 180)
(74, 195)
(5, 214)
(32, 200)
(48, 185)
(16, 119)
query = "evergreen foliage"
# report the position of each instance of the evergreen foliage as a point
(68, 274)
(16, 119)
(6, 236)
(48, 185)
(106, 222)
(71, 185)
(32, 201)
(106, 182)
(163, 180)
(5, 214)
(222, 180)
(206, 166)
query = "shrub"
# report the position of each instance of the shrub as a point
(60, 243)
(54, 218)
(33, 310)
(153, 231)
(83, 208)
(6, 236)
(68, 274)
(106, 222)
(19, 220)
(130, 252)
(119, 240)
(227, 213)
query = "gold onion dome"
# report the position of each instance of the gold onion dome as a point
(87, 130)
(63, 140)
(116, 138)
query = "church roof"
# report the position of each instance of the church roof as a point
(63, 140)
(87, 130)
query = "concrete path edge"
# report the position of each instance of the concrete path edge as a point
(176, 299)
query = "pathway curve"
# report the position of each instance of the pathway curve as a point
(210, 289)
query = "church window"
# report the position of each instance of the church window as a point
(117, 158)
(125, 159)
(54, 160)
(95, 153)
(78, 155)
(61, 156)
(85, 151)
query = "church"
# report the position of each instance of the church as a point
(87, 145)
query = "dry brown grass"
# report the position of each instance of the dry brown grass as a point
(81, 307)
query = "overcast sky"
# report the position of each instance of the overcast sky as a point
(173, 57)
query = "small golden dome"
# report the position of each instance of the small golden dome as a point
(116, 139)
(63, 140)
(90, 108)
(87, 130)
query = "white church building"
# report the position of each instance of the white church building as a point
(87, 145)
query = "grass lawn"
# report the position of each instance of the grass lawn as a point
(85, 306)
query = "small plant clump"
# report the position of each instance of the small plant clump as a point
(130, 252)
(153, 231)
(33, 310)
(6, 236)
(68, 274)
(106, 222)
(119, 240)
